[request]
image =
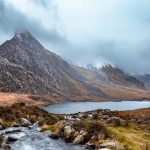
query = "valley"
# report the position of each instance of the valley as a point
(26, 67)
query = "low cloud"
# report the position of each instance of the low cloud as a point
(85, 31)
(12, 19)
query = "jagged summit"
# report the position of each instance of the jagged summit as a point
(117, 75)
(22, 34)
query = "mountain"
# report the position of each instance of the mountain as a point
(27, 67)
(24, 50)
(117, 76)
(145, 78)
(110, 75)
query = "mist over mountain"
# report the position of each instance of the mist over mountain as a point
(111, 31)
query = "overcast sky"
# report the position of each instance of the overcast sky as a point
(85, 31)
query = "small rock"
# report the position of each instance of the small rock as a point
(116, 121)
(80, 115)
(39, 129)
(68, 130)
(90, 115)
(25, 122)
(82, 132)
(79, 139)
(76, 134)
(30, 127)
(54, 136)
(1, 121)
(36, 124)
(5, 146)
(1, 127)
(16, 125)
(14, 137)
(71, 118)
(11, 139)
(101, 136)
(107, 112)
(90, 145)
(105, 117)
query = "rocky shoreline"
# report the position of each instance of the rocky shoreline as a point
(97, 130)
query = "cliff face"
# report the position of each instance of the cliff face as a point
(27, 67)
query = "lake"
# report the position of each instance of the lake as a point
(74, 107)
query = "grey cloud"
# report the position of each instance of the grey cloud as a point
(12, 19)
(98, 31)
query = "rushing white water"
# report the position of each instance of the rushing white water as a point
(74, 107)
(34, 140)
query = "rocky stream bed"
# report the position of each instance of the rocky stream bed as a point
(31, 128)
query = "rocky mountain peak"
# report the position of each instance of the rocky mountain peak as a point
(21, 34)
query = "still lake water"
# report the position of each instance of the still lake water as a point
(74, 107)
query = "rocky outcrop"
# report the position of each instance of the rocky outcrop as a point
(25, 122)
(89, 133)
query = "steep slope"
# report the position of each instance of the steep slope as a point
(117, 76)
(120, 86)
(14, 78)
(145, 79)
(108, 74)
(24, 50)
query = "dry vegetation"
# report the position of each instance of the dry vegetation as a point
(130, 128)
(8, 99)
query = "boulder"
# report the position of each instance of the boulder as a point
(112, 145)
(82, 132)
(76, 134)
(101, 136)
(90, 115)
(14, 137)
(79, 139)
(1, 127)
(80, 115)
(11, 139)
(68, 131)
(116, 121)
(107, 112)
(90, 145)
(1, 121)
(54, 136)
(71, 117)
(5, 146)
(25, 122)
